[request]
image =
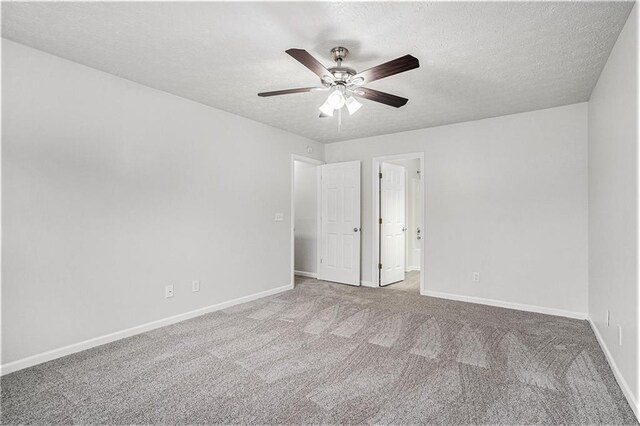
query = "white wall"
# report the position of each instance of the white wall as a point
(505, 196)
(613, 198)
(306, 217)
(111, 190)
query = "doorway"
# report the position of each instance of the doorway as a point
(305, 218)
(398, 222)
(325, 221)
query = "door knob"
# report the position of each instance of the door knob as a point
(356, 229)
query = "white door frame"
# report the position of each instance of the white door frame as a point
(294, 158)
(376, 211)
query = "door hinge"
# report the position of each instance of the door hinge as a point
(380, 175)
(379, 265)
(320, 260)
(380, 221)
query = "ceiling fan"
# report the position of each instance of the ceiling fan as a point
(345, 83)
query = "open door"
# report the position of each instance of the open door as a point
(340, 223)
(392, 225)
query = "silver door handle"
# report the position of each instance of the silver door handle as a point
(356, 229)
(404, 229)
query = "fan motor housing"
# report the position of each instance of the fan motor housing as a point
(342, 74)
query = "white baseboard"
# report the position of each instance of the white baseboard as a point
(368, 284)
(412, 268)
(633, 403)
(306, 274)
(509, 305)
(101, 340)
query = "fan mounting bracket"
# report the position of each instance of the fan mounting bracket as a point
(339, 53)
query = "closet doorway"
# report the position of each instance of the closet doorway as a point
(399, 222)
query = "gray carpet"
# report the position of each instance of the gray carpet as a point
(411, 283)
(328, 353)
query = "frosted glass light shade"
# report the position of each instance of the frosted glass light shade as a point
(353, 105)
(326, 109)
(336, 99)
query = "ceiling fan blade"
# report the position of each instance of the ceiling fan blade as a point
(287, 91)
(382, 97)
(387, 69)
(310, 62)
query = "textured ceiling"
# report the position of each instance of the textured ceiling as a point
(477, 59)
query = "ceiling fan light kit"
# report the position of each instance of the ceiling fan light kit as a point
(346, 84)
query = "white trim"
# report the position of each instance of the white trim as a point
(294, 158)
(375, 209)
(306, 274)
(616, 372)
(508, 305)
(111, 337)
(412, 268)
(319, 217)
(368, 284)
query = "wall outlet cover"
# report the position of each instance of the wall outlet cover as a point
(279, 217)
(168, 291)
(476, 277)
(195, 285)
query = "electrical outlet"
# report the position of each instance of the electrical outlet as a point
(608, 318)
(279, 217)
(619, 335)
(476, 277)
(168, 291)
(195, 285)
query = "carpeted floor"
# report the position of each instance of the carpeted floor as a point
(411, 283)
(329, 353)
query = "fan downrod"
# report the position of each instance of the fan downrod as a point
(341, 74)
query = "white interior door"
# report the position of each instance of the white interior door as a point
(340, 223)
(392, 228)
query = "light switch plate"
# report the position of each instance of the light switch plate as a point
(195, 285)
(619, 335)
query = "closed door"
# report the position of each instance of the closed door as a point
(392, 227)
(340, 223)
